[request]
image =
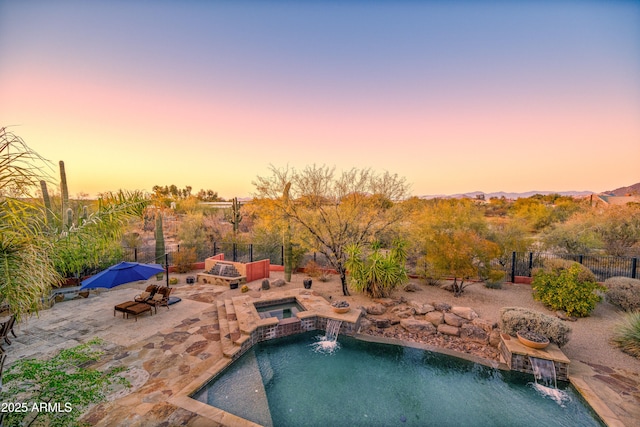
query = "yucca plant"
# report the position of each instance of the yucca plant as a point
(627, 334)
(378, 273)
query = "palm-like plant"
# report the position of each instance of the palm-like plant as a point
(26, 269)
(380, 272)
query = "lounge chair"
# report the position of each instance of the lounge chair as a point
(5, 328)
(161, 298)
(147, 294)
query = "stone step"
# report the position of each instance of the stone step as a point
(229, 349)
(231, 309)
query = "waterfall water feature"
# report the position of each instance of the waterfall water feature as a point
(329, 342)
(544, 374)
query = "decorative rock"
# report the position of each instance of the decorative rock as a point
(414, 325)
(454, 320)
(464, 312)
(435, 317)
(364, 324)
(403, 312)
(474, 333)
(563, 316)
(441, 306)
(278, 283)
(494, 338)
(376, 309)
(382, 323)
(411, 287)
(485, 324)
(420, 308)
(265, 285)
(448, 330)
(387, 302)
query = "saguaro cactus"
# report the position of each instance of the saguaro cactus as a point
(47, 202)
(288, 250)
(236, 217)
(64, 190)
(159, 234)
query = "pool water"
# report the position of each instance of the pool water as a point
(280, 311)
(284, 382)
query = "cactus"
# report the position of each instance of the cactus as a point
(288, 250)
(68, 218)
(236, 217)
(85, 214)
(159, 239)
(63, 188)
(47, 202)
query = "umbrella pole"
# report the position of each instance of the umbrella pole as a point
(166, 264)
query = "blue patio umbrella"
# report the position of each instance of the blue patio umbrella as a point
(119, 274)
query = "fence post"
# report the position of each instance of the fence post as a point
(250, 252)
(634, 266)
(513, 267)
(580, 259)
(235, 252)
(530, 263)
(214, 249)
(166, 263)
(282, 255)
(135, 254)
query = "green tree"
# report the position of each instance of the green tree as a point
(334, 210)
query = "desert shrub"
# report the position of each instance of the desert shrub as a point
(627, 334)
(244, 289)
(568, 286)
(623, 292)
(514, 319)
(184, 260)
(173, 281)
(312, 269)
(495, 279)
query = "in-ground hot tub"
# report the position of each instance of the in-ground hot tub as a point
(281, 309)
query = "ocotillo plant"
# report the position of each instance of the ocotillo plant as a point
(288, 250)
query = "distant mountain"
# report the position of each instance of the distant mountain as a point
(633, 190)
(499, 194)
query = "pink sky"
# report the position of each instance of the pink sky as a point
(453, 109)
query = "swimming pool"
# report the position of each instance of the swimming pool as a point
(283, 382)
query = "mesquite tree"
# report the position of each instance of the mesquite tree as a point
(332, 210)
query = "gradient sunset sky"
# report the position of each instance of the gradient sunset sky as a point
(456, 96)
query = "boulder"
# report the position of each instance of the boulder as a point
(278, 283)
(494, 338)
(485, 324)
(441, 306)
(364, 324)
(387, 302)
(418, 326)
(376, 309)
(464, 312)
(403, 312)
(448, 330)
(434, 317)
(266, 285)
(454, 320)
(474, 333)
(420, 308)
(562, 315)
(381, 323)
(411, 287)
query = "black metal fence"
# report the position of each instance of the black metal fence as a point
(604, 267)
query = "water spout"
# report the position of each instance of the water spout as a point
(544, 374)
(329, 342)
